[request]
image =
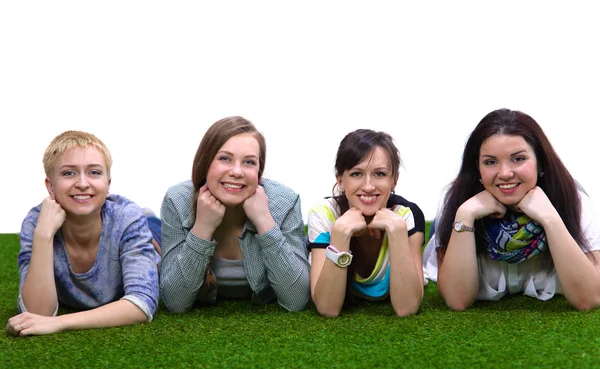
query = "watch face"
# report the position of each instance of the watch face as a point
(344, 259)
(458, 226)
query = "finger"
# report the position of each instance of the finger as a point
(377, 233)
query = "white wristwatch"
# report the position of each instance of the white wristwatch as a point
(339, 258)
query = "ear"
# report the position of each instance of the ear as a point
(108, 188)
(339, 183)
(48, 184)
(395, 182)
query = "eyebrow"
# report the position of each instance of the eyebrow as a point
(513, 154)
(231, 154)
(75, 166)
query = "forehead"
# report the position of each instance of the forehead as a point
(378, 158)
(245, 144)
(504, 144)
(80, 156)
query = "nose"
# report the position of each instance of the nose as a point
(368, 185)
(236, 170)
(82, 182)
(506, 171)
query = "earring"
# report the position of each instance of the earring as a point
(541, 174)
(393, 192)
(480, 180)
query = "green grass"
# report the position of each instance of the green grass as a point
(516, 332)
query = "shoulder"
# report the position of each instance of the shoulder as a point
(181, 196)
(326, 208)
(280, 196)
(407, 210)
(184, 190)
(30, 221)
(120, 210)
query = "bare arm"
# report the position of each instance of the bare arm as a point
(406, 272)
(458, 276)
(327, 280)
(116, 313)
(579, 277)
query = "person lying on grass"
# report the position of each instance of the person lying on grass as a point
(514, 221)
(229, 233)
(366, 241)
(83, 248)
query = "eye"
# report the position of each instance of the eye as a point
(96, 172)
(519, 158)
(250, 162)
(224, 158)
(380, 174)
(68, 173)
(355, 174)
(489, 162)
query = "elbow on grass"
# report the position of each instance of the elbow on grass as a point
(328, 311)
(586, 303)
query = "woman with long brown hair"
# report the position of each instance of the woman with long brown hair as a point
(228, 233)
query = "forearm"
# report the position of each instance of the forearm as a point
(38, 292)
(183, 269)
(406, 281)
(115, 314)
(329, 292)
(287, 268)
(458, 276)
(579, 278)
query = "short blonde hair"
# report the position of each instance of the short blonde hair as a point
(70, 139)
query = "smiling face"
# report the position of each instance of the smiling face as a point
(508, 168)
(369, 183)
(233, 174)
(79, 181)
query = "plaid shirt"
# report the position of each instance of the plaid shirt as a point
(276, 262)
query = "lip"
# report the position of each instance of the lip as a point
(237, 188)
(82, 198)
(508, 190)
(373, 199)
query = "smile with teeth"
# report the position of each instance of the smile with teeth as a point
(232, 186)
(81, 198)
(508, 186)
(367, 199)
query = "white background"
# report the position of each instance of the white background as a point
(149, 77)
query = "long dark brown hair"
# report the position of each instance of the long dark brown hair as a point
(354, 148)
(557, 182)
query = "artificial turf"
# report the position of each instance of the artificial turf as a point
(516, 332)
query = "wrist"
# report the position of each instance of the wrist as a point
(465, 216)
(265, 224)
(204, 232)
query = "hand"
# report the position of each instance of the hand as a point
(51, 217)
(484, 204)
(257, 210)
(536, 205)
(26, 324)
(352, 223)
(209, 214)
(386, 220)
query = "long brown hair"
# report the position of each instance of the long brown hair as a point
(353, 149)
(215, 137)
(557, 182)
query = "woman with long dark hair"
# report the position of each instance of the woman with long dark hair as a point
(229, 233)
(514, 221)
